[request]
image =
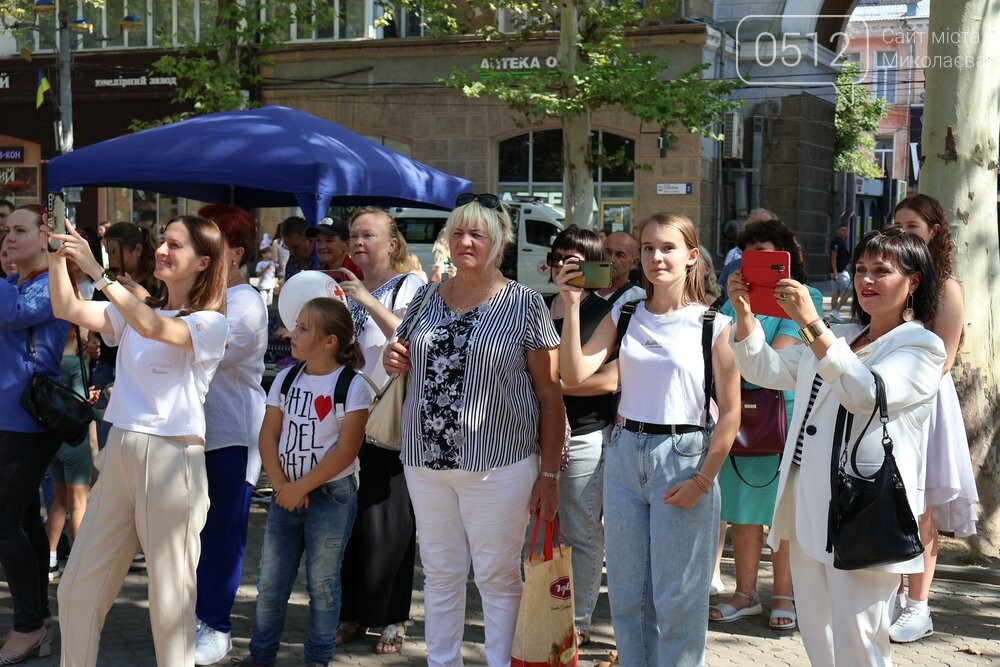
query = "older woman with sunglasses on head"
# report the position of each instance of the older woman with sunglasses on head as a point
(844, 614)
(483, 426)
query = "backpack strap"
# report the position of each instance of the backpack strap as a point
(340, 392)
(707, 328)
(611, 298)
(289, 380)
(623, 319)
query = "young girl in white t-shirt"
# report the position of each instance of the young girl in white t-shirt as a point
(309, 446)
(661, 503)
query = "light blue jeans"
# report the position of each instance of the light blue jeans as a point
(660, 557)
(321, 532)
(581, 490)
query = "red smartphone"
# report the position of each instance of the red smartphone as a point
(762, 269)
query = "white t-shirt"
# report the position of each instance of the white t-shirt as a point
(631, 294)
(310, 424)
(159, 388)
(371, 338)
(662, 367)
(234, 406)
(265, 271)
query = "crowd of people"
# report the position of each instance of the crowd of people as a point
(614, 409)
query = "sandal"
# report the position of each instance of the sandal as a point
(728, 612)
(582, 636)
(391, 639)
(783, 614)
(348, 631)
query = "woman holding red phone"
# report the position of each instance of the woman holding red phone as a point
(844, 618)
(749, 484)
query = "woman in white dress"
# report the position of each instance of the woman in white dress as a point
(950, 494)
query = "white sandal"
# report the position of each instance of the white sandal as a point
(781, 613)
(730, 613)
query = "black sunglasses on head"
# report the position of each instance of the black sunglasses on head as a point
(890, 232)
(485, 200)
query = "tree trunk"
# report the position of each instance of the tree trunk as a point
(961, 126)
(578, 181)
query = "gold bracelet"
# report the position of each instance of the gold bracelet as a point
(811, 332)
(705, 477)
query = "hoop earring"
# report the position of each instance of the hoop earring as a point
(908, 313)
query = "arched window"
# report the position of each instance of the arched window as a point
(531, 166)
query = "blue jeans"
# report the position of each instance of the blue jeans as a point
(660, 557)
(581, 490)
(321, 531)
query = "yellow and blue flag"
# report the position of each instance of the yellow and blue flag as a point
(43, 85)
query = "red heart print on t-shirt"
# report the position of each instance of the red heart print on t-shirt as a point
(324, 405)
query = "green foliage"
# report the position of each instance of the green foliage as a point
(216, 71)
(856, 118)
(609, 69)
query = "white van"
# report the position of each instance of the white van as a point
(535, 225)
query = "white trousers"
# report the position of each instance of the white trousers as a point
(476, 518)
(152, 493)
(843, 615)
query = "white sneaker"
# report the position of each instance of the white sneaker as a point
(911, 625)
(211, 646)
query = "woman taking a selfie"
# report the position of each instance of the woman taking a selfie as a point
(25, 448)
(844, 618)
(152, 492)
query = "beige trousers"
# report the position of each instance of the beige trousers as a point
(153, 494)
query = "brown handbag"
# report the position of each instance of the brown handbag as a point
(763, 423)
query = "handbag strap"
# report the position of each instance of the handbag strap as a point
(707, 328)
(842, 436)
(428, 293)
(551, 528)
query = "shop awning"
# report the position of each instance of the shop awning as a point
(271, 156)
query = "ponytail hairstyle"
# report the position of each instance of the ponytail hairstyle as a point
(398, 258)
(694, 281)
(133, 235)
(209, 289)
(332, 318)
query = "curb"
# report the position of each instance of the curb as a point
(968, 573)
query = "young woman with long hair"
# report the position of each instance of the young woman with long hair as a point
(152, 492)
(950, 494)
(661, 502)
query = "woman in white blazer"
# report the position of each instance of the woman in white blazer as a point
(844, 615)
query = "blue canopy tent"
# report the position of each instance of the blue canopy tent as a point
(271, 156)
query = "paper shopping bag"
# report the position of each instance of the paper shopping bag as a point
(544, 635)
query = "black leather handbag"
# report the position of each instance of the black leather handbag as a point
(58, 409)
(870, 522)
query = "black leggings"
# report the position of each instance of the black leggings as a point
(24, 547)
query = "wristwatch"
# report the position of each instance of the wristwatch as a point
(550, 475)
(104, 281)
(811, 332)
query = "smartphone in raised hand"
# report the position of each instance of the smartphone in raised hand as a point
(596, 275)
(762, 269)
(116, 256)
(57, 219)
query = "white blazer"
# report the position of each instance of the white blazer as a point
(909, 358)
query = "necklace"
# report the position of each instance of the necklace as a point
(481, 295)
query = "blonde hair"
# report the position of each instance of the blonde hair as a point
(333, 319)
(397, 258)
(712, 287)
(694, 283)
(494, 221)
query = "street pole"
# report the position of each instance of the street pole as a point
(65, 90)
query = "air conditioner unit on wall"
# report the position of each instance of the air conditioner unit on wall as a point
(732, 143)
